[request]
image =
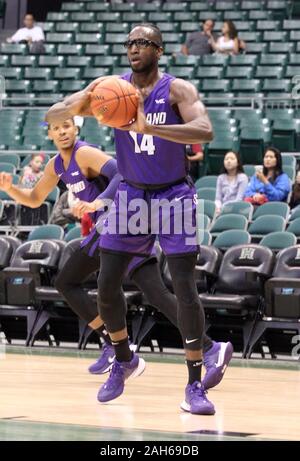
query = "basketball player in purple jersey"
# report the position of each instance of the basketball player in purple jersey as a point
(173, 116)
(92, 189)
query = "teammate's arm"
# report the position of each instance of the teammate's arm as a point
(34, 197)
(196, 128)
(96, 162)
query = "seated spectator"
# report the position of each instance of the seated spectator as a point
(31, 34)
(62, 212)
(195, 156)
(32, 172)
(232, 183)
(295, 198)
(270, 183)
(198, 43)
(229, 42)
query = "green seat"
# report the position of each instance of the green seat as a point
(135, 17)
(223, 6)
(189, 26)
(291, 24)
(66, 27)
(5, 60)
(181, 72)
(59, 38)
(272, 84)
(215, 15)
(13, 48)
(230, 238)
(12, 72)
(278, 8)
(117, 28)
(205, 238)
(251, 146)
(250, 5)
(290, 171)
(203, 222)
(206, 193)
(82, 16)
(49, 86)
(175, 6)
(159, 16)
(249, 170)
(76, 49)
(289, 160)
(105, 61)
(239, 72)
(44, 73)
(279, 114)
(251, 85)
(291, 71)
(72, 6)
(172, 37)
(71, 86)
(206, 181)
(278, 47)
(115, 38)
(273, 59)
(55, 17)
(199, 6)
(284, 135)
(67, 72)
(269, 72)
(7, 167)
(272, 208)
(278, 240)
(51, 61)
(227, 222)
(243, 60)
(256, 15)
(267, 25)
(17, 86)
(238, 208)
(73, 234)
(256, 48)
(92, 28)
(22, 61)
(208, 207)
(48, 232)
(185, 17)
(209, 72)
(249, 36)
(79, 61)
(215, 85)
(214, 60)
(93, 73)
(294, 59)
(97, 6)
(275, 36)
(295, 213)
(148, 7)
(265, 225)
(171, 48)
(84, 38)
(294, 227)
(12, 159)
(98, 50)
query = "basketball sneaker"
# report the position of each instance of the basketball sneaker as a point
(105, 361)
(216, 360)
(196, 401)
(120, 372)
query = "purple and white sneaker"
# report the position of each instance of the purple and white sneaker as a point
(105, 361)
(120, 372)
(196, 401)
(216, 361)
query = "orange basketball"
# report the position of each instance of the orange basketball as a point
(114, 102)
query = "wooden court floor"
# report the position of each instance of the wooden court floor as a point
(52, 397)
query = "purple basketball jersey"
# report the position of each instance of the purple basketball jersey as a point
(76, 182)
(146, 159)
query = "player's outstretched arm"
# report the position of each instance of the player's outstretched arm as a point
(32, 198)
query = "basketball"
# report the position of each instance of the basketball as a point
(114, 102)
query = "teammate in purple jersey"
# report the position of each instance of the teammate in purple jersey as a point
(92, 185)
(151, 159)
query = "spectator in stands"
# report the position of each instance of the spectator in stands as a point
(31, 34)
(198, 43)
(33, 171)
(232, 182)
(228, 43)
(269, 183)
(195, 156)
(62, 212)
(295, 198)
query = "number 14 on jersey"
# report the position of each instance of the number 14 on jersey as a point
(146, 145)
